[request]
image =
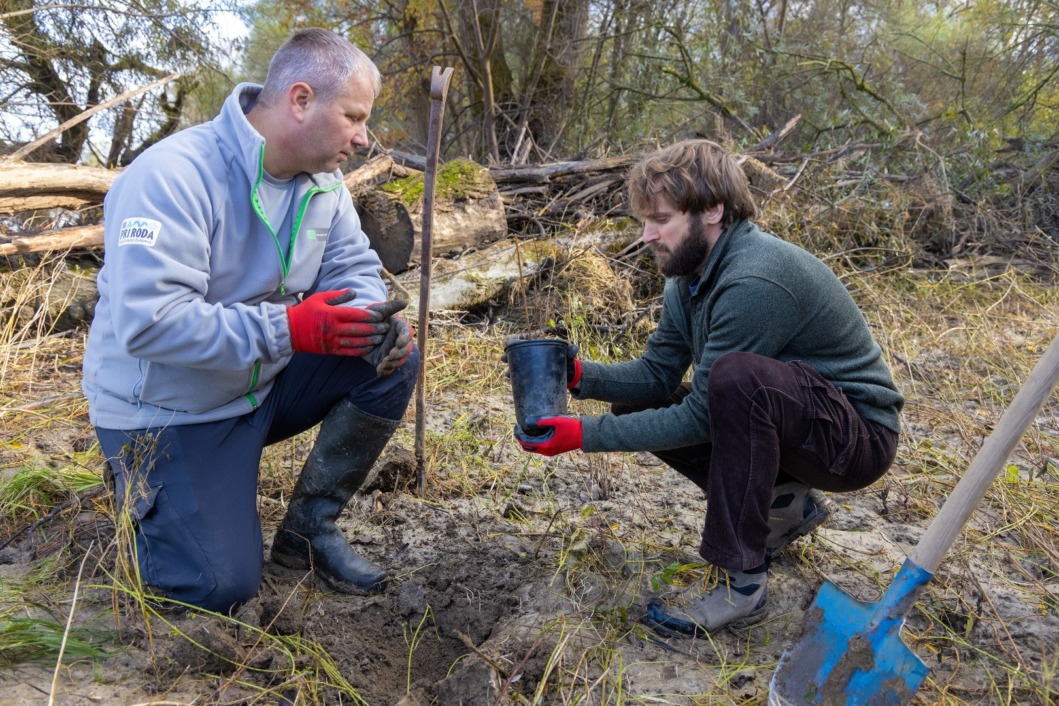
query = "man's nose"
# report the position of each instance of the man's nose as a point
(360, 137)
(649, 234)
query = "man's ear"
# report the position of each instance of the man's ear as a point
(713, 216)
(299, 98)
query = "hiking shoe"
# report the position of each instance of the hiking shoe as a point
(796, 511)
(720, 598)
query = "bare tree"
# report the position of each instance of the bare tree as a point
(57, 61)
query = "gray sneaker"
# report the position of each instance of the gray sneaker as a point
(796, 511)
(720, 598)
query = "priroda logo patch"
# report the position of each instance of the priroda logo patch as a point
(139, 231)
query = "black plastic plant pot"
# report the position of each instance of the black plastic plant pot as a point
(538, 384)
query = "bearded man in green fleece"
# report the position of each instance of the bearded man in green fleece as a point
(788, 396)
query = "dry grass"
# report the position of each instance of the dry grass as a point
(959, 341)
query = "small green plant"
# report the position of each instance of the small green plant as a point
(674, 574)
(29, 491)
(414, 638)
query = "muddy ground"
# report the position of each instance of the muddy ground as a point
(517, 579)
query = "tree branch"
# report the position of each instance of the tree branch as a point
(85, 115)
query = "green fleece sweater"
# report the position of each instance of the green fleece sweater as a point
(758, 294)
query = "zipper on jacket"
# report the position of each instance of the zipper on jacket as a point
(254, 377)
(285, 259)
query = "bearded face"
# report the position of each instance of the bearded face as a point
(684, 253)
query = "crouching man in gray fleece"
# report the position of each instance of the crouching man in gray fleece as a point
(240, 304)
(788, 393)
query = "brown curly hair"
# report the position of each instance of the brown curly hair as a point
(694, 176)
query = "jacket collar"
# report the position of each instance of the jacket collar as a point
(717, 254)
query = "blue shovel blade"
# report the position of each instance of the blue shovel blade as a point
(851, 652)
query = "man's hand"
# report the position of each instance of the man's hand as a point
(567, 436)
(394, 350)
(318, 324)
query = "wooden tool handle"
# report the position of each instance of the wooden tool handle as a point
(988, 462)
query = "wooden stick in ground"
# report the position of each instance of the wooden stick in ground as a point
(439, 86)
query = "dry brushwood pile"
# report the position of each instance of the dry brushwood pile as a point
(518, 579)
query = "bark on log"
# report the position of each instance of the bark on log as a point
(26, 186)
(544, 172)
(65, 239)
(482, 277)
(468, 212)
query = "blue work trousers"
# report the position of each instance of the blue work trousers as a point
(191, 490)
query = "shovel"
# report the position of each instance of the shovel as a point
(851, 652)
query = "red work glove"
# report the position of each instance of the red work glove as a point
(319, 325)
(573, 369)
(567, 436)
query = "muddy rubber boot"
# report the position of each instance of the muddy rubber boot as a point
(346, 448)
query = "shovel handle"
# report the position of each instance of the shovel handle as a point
(988, 462)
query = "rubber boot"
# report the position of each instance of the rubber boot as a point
(346, 448)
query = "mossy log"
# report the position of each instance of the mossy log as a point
(468, 213)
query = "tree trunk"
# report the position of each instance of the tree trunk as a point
(559, 40)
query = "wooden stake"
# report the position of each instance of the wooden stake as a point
(439, 86)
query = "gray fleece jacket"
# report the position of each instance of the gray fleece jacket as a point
(758, 294)
(191, 324)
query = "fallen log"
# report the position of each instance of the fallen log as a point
(545, 172)
(377, 170)
(26, 186)
(64, 239)
(506, 269)
(468, 213)
(470, 210)
(477, 279)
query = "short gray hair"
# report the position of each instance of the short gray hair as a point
(320, 58)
